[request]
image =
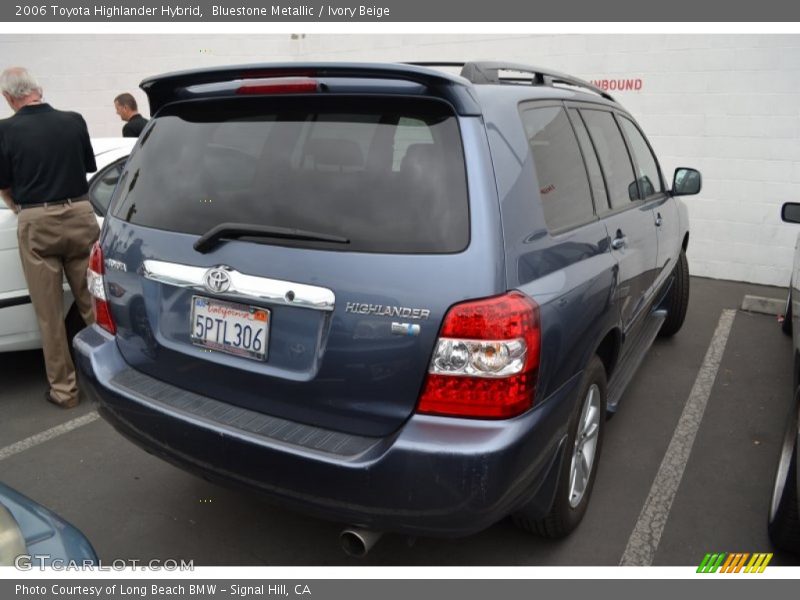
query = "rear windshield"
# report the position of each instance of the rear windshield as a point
(386, 174)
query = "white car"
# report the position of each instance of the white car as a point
(18, 327)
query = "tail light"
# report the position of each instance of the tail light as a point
(95, 279)
(486, 360)
(279, 85)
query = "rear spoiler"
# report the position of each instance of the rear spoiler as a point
(164, 89)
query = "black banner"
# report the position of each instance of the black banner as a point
(376, 11)
(334, 589)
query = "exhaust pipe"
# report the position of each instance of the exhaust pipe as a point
(357, 542)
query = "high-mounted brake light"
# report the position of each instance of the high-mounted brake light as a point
(279, 85)
(95, 279)
(486, 360)
(275, 73)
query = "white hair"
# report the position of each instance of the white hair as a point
(18, 83)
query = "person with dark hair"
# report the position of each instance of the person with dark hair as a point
(45, 155)
(128, 111)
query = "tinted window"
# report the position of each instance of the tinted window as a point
(613, 155)
(646, 165)
(595, 174)
(387, 174)
(563, 185)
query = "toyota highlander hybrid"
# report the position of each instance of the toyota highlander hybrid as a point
(384, 294)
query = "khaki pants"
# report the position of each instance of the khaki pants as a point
(53, 241)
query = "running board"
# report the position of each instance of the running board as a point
(637, 349)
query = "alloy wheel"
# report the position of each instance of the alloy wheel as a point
(584, 450)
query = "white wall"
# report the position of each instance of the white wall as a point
(726, 104)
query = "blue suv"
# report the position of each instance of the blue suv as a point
(384, 294)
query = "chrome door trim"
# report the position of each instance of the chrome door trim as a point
(242, 286)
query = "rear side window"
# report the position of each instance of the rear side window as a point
(592, 165)
(646, 165)
(613, 156)
(386, 174)
(563, 185)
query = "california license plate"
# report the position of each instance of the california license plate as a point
(230, 327)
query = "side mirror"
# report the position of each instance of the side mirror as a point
(686, 182)
(790, 212)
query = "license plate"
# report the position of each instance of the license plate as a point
(229, 327)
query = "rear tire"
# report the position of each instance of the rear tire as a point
(784, 521)
(579, 464)
(677, 300)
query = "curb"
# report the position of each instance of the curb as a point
(765, 306)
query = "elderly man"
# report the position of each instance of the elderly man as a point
(128, 111)
(44, 157)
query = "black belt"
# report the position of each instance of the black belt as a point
(55, 202)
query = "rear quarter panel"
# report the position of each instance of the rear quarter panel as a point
(572, 275)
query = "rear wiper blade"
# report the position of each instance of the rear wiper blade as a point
(238, 230)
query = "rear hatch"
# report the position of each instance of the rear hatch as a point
(295, 255)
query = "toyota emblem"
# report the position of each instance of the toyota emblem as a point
(217, 280)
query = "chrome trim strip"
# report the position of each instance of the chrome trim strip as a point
(243, 287)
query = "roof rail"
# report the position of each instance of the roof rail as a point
(488, 72)
(163, 89)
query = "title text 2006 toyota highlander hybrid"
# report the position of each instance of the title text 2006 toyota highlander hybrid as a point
(384, 294)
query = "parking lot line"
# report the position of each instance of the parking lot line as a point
(646, 535)
(46, 436)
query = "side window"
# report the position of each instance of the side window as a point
(613, 155)
(646, 165)
(593, 166)
(563, 184)
(103, 184)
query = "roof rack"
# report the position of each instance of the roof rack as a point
(488, 72)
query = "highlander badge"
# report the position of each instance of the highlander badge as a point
(381, 310)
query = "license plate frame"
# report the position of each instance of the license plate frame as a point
(226, 338)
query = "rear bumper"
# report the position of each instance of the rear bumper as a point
(434, 476)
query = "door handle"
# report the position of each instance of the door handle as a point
(619, 242)
(659, 220)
